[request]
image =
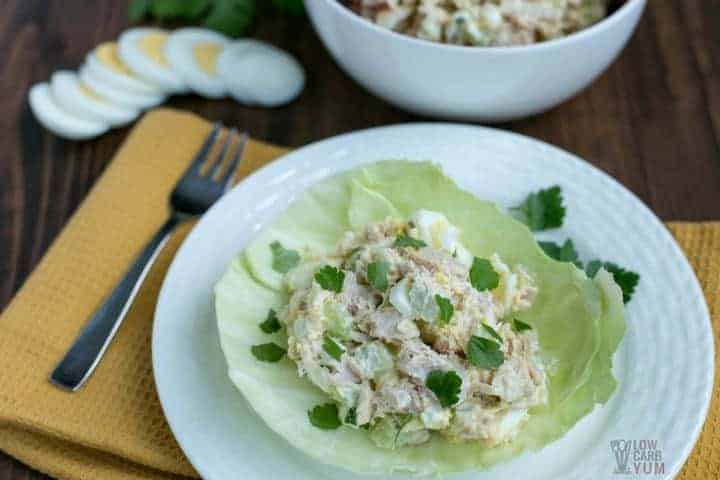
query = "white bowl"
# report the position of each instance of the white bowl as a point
(489, 84)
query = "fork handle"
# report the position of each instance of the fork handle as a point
(90, 345)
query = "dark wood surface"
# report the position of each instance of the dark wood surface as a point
(652, 120)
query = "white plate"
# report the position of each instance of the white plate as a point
(664, 364)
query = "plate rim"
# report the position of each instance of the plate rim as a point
(558, 151)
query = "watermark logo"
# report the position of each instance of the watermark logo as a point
(637, 457)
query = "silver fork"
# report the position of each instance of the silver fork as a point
(194, 193)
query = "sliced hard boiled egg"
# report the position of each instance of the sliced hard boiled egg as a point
(76, 98)
(142, 50)
(57, 120)
(193, 53)
(106, 65)
(256, 73)
(121, 97)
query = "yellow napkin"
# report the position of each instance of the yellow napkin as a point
(113, 427)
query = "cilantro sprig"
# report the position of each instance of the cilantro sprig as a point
(332, 348)
(482, 275)
(542, 210)
(271, 324)
(484, 353)
(626, 279)
(325, 417)
(445, 385)
(562, 253)
(268, 352)
(330, 278)
(283, 259)
(377, 274)
(445, 309)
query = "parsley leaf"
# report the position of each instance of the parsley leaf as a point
(283, 260)
(408, 241)
(484, 353)
(184, 9)
(291, 7)
(626, 279)
(482, 275)
(562, 253)
(542, 210)
(445, 309)
(325, 416)
(271, 323)
(520, 326)
(137, 9)
(330, 278)
(332, 348)
(377, 273)
(267, 352)
(231, 17)
(492, 332)
(445, 386)
(351, 416)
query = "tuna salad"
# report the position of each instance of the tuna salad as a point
(409, 334)
(483, 22)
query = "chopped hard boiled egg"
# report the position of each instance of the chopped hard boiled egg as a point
(125, 98)
(105, 64)
(79, 100)
(434, 229)
(256, 73)
(143, 51)
(57, 120)
(193, 53)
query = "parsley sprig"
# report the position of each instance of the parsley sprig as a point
(325, 417)
(445, 309)
(542, 210)
(377, 274)
(268, 352)
(283, 259)
(271, 323)
(484, 353)
(482, 275)
(445, 385)
(404, 240)
(626, 280)
(330, 278)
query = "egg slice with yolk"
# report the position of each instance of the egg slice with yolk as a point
(105, 61)
(142, 50)
(59, 121)
(125, 98)
(78, 99)
(193, 53)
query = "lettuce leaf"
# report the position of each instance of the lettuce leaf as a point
(579, 320)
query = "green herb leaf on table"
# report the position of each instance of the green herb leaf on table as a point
(445, 385)
(138, 9)
(626, 279)
(377, 273)
(332, 348)
(291, 7)
(283, 260)
(520, 326)
(179, 9)
(271, 323)
(542, 210)
(408, 241)
(445, 309)
(325, 417)
(484, 353)
(492, 332)
(231, 17)
(330, 278)
(482, 275)
(562, 253)
(268, 352)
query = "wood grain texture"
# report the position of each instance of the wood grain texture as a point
(652, 120)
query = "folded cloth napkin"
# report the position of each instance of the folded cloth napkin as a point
(113, 427)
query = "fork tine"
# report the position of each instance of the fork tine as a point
(202, 154)
(218, 161)
(227, 177)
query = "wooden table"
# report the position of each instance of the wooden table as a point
(652, 120)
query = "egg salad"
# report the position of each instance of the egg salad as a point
(410, 334)
(119, 80)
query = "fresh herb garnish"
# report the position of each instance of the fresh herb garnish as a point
(325, 416)
(283, 260)
(377, 274)
(626, 279)
(291, 7)
(542, 210)
(404, 240)
(445, 309)
(482, 275)
(562, 253)
(332, 348)
(268, 352)
(445, 385)
(330, 278)
(520, 326)
(351, 416)
(271, 323)
(484, 353)
(492, 332)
